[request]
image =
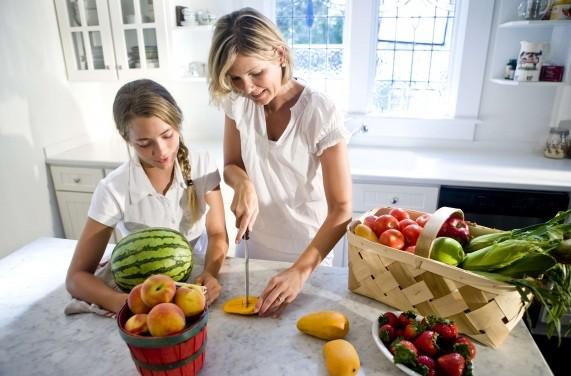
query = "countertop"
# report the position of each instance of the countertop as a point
(36, 338)
(419, 166)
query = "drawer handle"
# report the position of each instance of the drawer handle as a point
(394, 200)
(77, 180)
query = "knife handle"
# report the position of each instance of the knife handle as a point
(246, 235)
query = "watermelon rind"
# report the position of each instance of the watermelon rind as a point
(154, 250)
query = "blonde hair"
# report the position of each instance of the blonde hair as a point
(243, 32)
(146, 98)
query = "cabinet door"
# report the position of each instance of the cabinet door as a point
(86, 39)
(139, 33)
(73, 207)
(370, 196)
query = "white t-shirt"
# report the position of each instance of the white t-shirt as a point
(127, 199)
(286, 173)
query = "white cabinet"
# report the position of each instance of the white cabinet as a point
(74, 187)
(511, 30)
(113, 39)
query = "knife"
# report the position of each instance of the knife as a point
(247, 259)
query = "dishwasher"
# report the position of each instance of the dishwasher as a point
(507, 209)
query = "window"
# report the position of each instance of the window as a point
(314, 31)
(406, 68)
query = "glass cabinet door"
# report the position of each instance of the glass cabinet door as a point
(139, 37)
(86, 39)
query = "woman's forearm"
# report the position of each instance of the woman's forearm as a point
(234, 175)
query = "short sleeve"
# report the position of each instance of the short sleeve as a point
(104, 208)
(205, 173)
(232, 105)
(330, 126)
(212, 174)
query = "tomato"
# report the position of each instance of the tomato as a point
(370, 220)
(411, 233)
(405, 222)
(384, 222)
(410, 249)
(423, 219)
(392, 238)
(399, 213)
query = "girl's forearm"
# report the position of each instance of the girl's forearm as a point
(87, 287)
(215, 254)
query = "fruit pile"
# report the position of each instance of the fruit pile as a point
(430, 346)
(160, 308)
(399, 230)
(395, 229)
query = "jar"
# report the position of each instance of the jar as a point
(557, 143)
(509, 70)
(561, 10)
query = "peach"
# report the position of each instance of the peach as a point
(137, 324)
(158, 288)
(165, 319)
(190, 299)
(135, 302)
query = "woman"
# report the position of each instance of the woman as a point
(163, 185)
(284, 154)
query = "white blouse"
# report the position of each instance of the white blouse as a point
(127, 199)
(286, 173)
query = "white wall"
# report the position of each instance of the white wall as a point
(40, 107)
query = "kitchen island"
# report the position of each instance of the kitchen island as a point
(36, 338)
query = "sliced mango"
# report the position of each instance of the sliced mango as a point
(237, 305)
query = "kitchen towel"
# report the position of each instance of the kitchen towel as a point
(76, 306)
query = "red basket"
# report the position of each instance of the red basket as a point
(178, 354)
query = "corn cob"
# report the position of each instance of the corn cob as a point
(498, 255)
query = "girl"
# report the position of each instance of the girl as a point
(284, 154)
(164, 185)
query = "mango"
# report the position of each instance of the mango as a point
(326, 325)
(341, 358)
(237, 305)
(365, 231)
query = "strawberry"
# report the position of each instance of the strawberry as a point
(388, 318)
(404, 352)
(426, 343)
(406, 317)
(387, 333)
(451, 364)
(447, 329)
(465, 347)
(427, 365)
(411, 331)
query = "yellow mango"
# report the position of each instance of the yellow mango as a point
(237, 305)
(341, 358)
(326, 325)
(365, 231)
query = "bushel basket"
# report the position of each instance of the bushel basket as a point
(483, 309)
(178, 354)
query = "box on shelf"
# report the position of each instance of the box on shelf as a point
(483, 309)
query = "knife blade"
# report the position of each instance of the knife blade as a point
(247, 266)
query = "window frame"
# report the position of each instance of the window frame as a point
(472, 33)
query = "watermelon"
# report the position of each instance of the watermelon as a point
(153, 250)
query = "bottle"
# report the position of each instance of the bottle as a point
(557, 143)
(509, 70)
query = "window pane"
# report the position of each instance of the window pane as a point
(91, 13)
(79, 47)
(73, 13)
(413, 53)
(151, 51)
(147, 11)
(132, 48)
(128, 9)
(314, 31)
(96, 49)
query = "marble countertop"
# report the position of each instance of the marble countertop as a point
(36, 338)
(422, 166)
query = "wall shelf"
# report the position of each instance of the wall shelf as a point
(502, 81)
(535, 24)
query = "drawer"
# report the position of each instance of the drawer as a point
(76, 179)
(370, 196)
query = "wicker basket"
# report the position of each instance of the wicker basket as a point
(178, 354)
(483, 309)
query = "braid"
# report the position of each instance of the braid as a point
(192, 204)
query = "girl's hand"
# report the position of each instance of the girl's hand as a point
(282, 289)
(212, 286)
(245, 207)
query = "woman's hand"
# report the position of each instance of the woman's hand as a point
(282, 289)
(212, 286)
(245, 207)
